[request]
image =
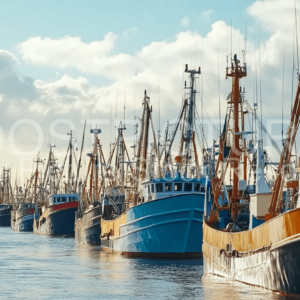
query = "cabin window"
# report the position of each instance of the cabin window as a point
(159, 187)
(152, 188)
(58, 199)
(64, 199)
(54, 200)
(202, 189)
(178, 187)
(168, 187)
(188, 187)
(197, 187)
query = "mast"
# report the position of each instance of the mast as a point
(284, 164)
(235, 153)
(52, 171)
(36, 176)
(245, 157)
(145, 141)
(236, 72)
(120, 153)
(95, 169)
(79, 162)
(140, 167)
(70, 164)
(190, 115)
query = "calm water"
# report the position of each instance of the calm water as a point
(38, 267)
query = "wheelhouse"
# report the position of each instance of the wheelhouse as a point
(63, 198)
(24, 206)
(166, 187)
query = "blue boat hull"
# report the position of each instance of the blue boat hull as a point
(58, 223)
(89, 235)
(5, 214)
(24, 223)
(87, 228)
(167, 227)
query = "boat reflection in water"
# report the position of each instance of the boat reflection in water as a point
(217, 287)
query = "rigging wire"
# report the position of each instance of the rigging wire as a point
(202, 89)
(219, 85)
(214, 126)
(293, 67)
(231, 40)
(296, 25)
(201, 127)
(245, 43)
(261, 107)
(158, 115)
(254, 100)
(283, 60)
(296, 29)
(116, 110)
(125, 104)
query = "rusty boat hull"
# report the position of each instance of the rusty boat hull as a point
(266, 256)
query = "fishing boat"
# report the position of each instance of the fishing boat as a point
(25, 203)
(88, 216)
(163, 225)
(5, 198)
(56, 217)
(5, 212)
(158, 213)
(253, 237)
(22, 217)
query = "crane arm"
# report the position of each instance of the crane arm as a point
(285, 158)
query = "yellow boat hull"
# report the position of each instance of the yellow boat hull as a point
(266, 256)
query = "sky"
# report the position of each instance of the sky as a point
(64, 62)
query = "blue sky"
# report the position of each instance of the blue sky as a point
(75, 60)
(137, 23)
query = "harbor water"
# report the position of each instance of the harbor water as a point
(40, 267)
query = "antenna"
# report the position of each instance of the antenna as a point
(124, 105)
(116, 109)
(282, 90)
(231, 40)
(261, 119)
(245, 48)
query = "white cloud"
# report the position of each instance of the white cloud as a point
(185, 22)
(71, 52)
(275, 16)
(157, 67)
(206, 14)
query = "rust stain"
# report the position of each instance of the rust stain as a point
(274, 231)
